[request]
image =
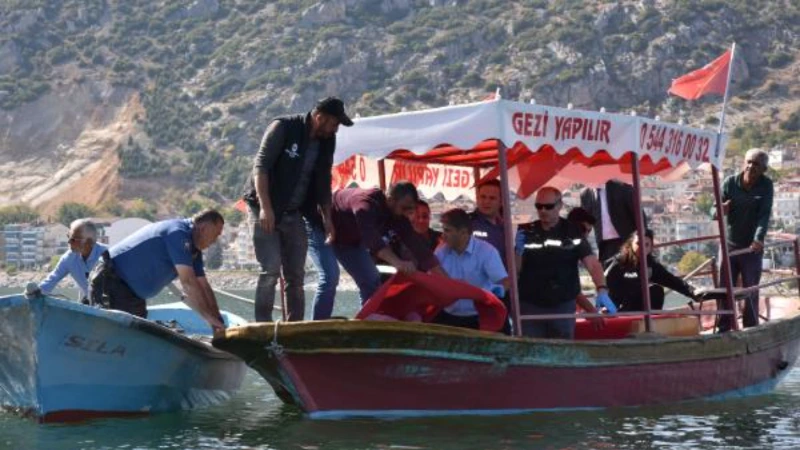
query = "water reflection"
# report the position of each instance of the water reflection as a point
(256, 419)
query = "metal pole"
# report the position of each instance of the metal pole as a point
(797, 261)
(382, 174)
(511, 261)
(726, 280)
(714, 272)
(643, 275)
(725, 275)
(725, 102)
(476, 174)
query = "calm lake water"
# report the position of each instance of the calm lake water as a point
(255, 419)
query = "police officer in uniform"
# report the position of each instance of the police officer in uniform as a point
(548, 251)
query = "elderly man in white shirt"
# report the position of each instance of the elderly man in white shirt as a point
(84, 252)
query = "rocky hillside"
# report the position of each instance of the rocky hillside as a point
(108, 102)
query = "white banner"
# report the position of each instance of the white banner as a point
(464, 126)
(432, 179)
(356, 171)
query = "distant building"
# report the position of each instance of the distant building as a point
(24, 245)
(786, 206)
(244, 255)
(119, 229)
(783, 158)
(55, 241)
(693, 226)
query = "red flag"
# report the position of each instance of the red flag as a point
(241, 205)
(712, 78)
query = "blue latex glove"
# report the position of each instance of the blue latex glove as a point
(604, 301)
(498, 291)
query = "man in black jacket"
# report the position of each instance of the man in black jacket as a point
(612, 207)
(293, 163)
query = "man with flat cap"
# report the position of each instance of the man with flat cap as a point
(292, 179)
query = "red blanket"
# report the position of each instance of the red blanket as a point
(427, 294)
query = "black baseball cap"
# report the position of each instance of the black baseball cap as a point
(334, 107)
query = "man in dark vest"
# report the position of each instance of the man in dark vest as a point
(548, 252)
(293, 163)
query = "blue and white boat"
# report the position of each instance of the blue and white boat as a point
(64, 361)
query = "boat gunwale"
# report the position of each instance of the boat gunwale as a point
(436, 341)
(198, 346)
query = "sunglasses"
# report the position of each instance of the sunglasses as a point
(73, 240)
(546, 206)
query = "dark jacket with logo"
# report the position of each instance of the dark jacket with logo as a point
(624, 286)
(281, 156)
(549, 273)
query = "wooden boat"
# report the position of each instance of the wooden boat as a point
(334, 369)
(64, 361)
(353, 368)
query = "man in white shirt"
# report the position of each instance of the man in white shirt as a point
(78, 261)
(612, 206)
(467, 258)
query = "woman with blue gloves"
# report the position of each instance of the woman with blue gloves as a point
(622, 277)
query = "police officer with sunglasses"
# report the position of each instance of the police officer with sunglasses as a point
(548, 251)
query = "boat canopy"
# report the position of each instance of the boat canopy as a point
(545, 145)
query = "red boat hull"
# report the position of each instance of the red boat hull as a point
(442, 371)
(367, 384)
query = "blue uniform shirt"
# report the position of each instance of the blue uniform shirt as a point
(73, 264)
(479, 265)
(493, 233)
(146, 260)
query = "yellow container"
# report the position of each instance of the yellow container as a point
(670, 326)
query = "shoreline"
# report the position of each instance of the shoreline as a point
(237, 280)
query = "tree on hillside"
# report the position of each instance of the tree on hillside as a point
(73, 211)
(214, 256)
(140, 208)
(690, 261)
(17, 214)
(704, 203)
(192, 207)
(673, 254)
(233, 217)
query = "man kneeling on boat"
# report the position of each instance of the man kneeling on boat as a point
(84, 252)
(144, 263)
(469, 259)
(548, 251)
(361, 218)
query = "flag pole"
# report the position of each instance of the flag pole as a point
(726, 261)
(725, 100)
